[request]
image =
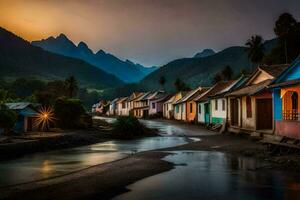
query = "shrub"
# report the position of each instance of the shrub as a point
(129, 127)
(8, 118)
(68, 112)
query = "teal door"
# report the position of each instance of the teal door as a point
(206, 113)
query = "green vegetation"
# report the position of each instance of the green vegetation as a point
(287, 49)
(226, 74)
(255, 49)
(130, 127)
(162, 81)
(8, 119)
(68, 113)
(180, 85)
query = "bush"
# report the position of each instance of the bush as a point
(8, 118)
(68, 112)
(129, 127)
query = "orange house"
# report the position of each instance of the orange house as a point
(186, 108)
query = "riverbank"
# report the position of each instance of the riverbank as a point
(107, 180)
(12, 147)
(16, 146)
(98, 182)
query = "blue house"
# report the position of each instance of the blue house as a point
(286, 101)
(27, 114)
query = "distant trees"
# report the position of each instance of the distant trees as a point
(71, 86)
(162, 81)
(180, 85)
(8, 118)
(57, 89)
(226, 74)
(68, 112)
(255, 49)
(24, 87)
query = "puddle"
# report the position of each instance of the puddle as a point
(215, 175)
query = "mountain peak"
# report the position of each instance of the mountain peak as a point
(62, 36)
(82, 45)
(100, 52)
(205, 53)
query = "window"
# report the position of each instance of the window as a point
(191, 107)
(295, 101)
(223, 104)
(216, 104)
(199, 108)
(249, 107)
(153, 105)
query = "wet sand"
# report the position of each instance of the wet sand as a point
(107, 180)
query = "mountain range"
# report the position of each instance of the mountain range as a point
(201, 70)
(18, 58)
(205, 53)
(195, 71)
(127, 71)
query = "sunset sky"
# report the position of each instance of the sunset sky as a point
(151, 32)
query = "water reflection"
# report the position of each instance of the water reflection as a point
(49, 164)
(170, 128)
(214, 175)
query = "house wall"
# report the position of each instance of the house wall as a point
(219, 115)
(229, 111)
(200, 114)
(293, 74)
(288, 128)
(248, 122)
(152, 110)
(181, 114)
(277, 105)
(262, 76)
(167, 108)
(191, 111)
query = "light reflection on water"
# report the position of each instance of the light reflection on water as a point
(49, 164)
(215, 175)
(170, 128)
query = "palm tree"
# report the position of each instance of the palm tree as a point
(283, 25)
(71, 86)
(255, 49)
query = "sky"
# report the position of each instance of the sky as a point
(150, 32)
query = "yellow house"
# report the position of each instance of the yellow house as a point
(186, 107)
(168, 106)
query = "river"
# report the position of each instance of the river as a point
(55, 163)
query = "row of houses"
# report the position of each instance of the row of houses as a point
(265, 102)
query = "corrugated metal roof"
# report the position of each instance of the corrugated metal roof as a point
(20, 105)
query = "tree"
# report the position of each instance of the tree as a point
(217, 78)
(255, 49)
(5, 96)
(227, 73)
(71, 86)
(162, 81)
(8, 118)
(68, 112)
(283, 26)
(180, 85)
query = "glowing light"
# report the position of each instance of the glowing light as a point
(44, 118)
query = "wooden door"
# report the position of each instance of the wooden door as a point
(264, 114)
(234, 110)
